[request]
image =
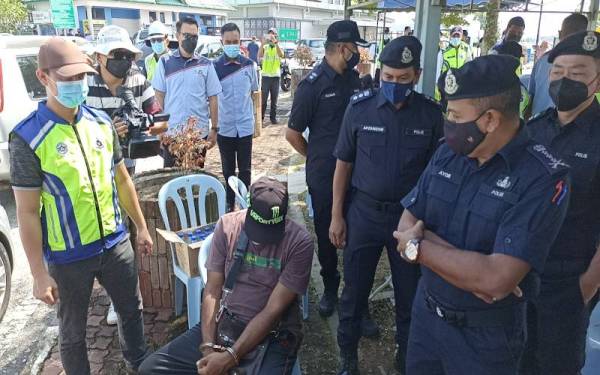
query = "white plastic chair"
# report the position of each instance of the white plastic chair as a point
(202, 257)
(195, 207)
(240, 190)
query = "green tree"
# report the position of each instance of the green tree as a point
(12, 13)
(491, 26)
(454, 19)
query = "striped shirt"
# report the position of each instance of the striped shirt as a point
(100, 96)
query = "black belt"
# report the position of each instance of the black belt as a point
(503, 316)
(394, 207)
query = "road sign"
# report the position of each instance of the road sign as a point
(288, 34)
(39, 17)
(63, 14)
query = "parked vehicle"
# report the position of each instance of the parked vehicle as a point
(20, 90)
(6, 261)
(209, 46)
(286, 77)
(317, 46)
(289, 48)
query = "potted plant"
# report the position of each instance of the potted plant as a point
(305, 58)
(364, 65)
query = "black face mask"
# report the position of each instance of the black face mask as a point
(463, 137)
(568, 94)
(189, 44)
(118, 67)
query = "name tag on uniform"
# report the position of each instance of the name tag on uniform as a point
(329, 95)
(373, 129)
(418, 132)
(446, 175)
(581, 155)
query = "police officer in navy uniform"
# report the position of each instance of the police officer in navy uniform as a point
(480, 222)
(387, 138)
(319, 105)
(558, 319)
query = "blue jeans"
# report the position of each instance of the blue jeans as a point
(116, 270)
(179, 357)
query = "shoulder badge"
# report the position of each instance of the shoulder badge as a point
(551, 162)
(361, 96)
(407, 56)
(590, 42)
(312, 76)
(539, 115)
(450, 84)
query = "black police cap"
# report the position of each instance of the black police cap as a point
(484, 76)
(402, 52)
(344, 31)
(582, 43)
(511, 48)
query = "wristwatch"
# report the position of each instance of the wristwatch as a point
(411, 251)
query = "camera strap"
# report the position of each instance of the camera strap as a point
(241, 249)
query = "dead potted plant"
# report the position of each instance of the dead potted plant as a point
(305, 58)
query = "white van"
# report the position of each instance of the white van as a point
(20, 90)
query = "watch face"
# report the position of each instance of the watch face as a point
(411, 252)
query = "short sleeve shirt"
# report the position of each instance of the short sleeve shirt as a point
(579, 144)
(539, 82)
(288, 262)
(319, 105)
(513, 204)
(388, 148)
(236, 110)
(187, 85)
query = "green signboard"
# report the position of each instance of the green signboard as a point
(288, 34)
(63, 14)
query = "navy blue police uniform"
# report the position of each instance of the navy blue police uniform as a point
(558, 318)
(513, 204)
(319, 105)
(388, 149)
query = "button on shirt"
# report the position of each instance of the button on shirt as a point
(319, 105)
(388, 147)
(579, 144)
(187, 84)
(513, 204)
(236, 111)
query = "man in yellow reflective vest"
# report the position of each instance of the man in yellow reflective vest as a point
(455, 55)
(70, 182)
(270, 55)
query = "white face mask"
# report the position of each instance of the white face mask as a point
(455, 41)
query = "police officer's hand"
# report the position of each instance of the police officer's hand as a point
(215, 364)
(45, 288)
(120, 127)
(337, 232)
(489, 299)
(212, 138)
(588, 287)
(144, 242)
(415, 232)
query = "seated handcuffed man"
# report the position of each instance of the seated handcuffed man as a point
(259, 263)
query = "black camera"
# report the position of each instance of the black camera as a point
(139, 143)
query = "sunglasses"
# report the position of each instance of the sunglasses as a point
(189, 36)
(123, 55)
(157, 40)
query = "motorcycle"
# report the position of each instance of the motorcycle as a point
(286, 77)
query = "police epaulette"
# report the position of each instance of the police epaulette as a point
(361, 96)
(540, 114)
(551, 162)
(312, 76)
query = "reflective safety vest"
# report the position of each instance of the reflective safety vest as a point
(271, 63)
(525, 98)
(453, 57)
(80, 212)
(150, 64)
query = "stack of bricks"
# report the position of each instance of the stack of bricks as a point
(156, 270)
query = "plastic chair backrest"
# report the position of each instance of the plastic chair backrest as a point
(240, 190)
(203, 257)
(171, 189)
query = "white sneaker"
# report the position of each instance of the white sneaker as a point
(111, 317)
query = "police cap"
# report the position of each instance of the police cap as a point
(402, 52)
(344, 31)
(582, 43)
(484, 76)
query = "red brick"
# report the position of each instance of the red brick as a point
(154, 272)
(163, 272)
(160, 327)
(145, 262)
(156, 298)
(146, 288)
(167, 298)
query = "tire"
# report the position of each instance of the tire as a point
(286, 83)
(5, 279)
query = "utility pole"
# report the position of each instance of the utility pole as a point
(346, 10)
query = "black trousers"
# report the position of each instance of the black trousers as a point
(234, 149)
(270, 85)
(180, 355)
(322, 201)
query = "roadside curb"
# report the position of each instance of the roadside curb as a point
(48, 340)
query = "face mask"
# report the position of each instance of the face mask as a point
(118, 68)
(396, 92)
(455, 41)
(231, 50)
(71, 93)
(158, 47)
(568, 94)
(353, 61)
(189, 44)
(464, 137)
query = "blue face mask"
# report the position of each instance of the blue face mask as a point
(72, 93)
(396, 92)
(231, 50)
(455, 41)
(158, 47)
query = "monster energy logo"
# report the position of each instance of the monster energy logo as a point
(275, 220)
(275, 211)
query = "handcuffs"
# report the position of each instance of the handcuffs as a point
(221, 349)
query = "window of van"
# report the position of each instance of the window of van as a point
(28, 66)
